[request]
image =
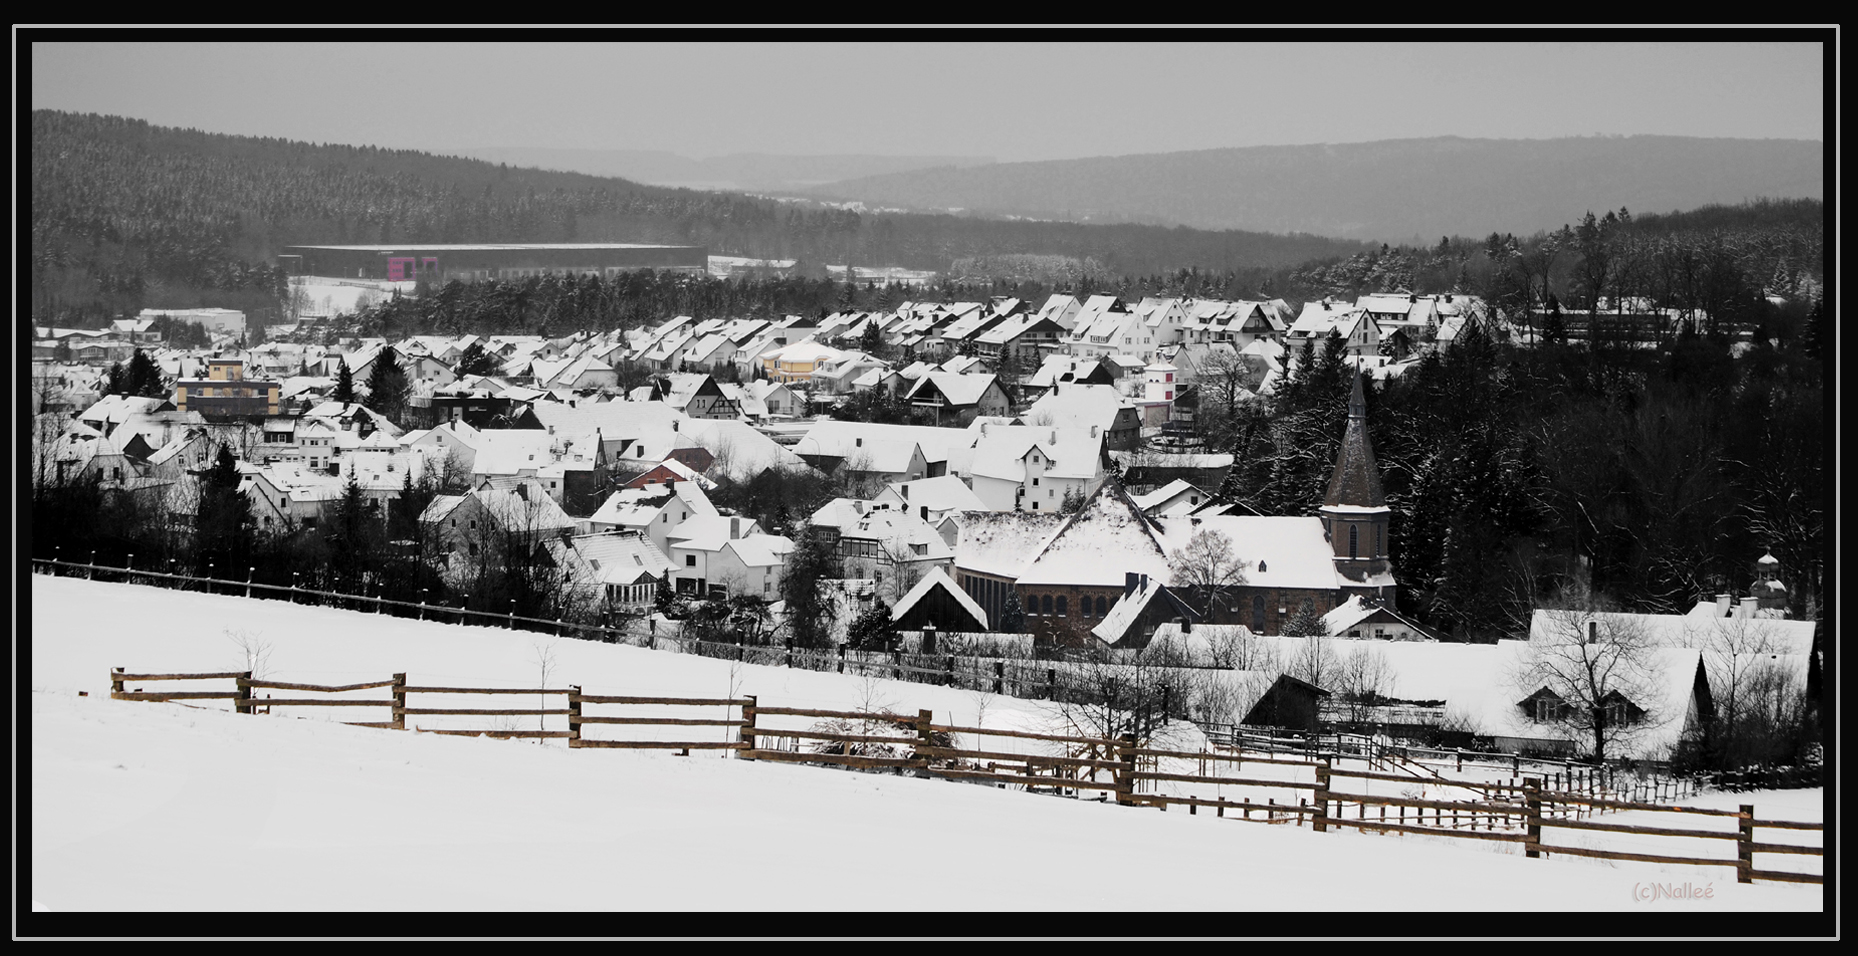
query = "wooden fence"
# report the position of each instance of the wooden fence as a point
(1123, 768)
(1027, 679)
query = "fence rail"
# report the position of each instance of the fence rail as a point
(850, 739)
(1026, 679)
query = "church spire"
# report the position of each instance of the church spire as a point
(1356, 480)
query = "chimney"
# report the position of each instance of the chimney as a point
(1129, 582)
(522, 491)
(1054, 436)
(551, 429)
(1722, 604)
(1747, 609)
(674, 424)
(735, 528)
(905, 488)
(1093, 431)
(925, 512)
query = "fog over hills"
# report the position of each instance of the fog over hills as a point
(1390, 191)
(751, 171)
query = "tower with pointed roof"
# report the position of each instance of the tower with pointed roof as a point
(1355, 512)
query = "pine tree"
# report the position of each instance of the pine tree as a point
(117, 380)
(809, 614)
(1012, 616)
(344, 383)
(873, 630)
(1305, 622)
(387, 386)
(145, 378)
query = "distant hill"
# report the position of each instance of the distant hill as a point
(747, 171)
(128, 215)
(1387, 191)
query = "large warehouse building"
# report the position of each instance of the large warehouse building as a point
(478, 262)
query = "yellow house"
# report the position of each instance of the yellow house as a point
(225, 392)
(796, 362)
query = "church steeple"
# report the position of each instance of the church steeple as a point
(1355, 512)
(1357, 479)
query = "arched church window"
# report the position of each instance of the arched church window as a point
(1352, 535)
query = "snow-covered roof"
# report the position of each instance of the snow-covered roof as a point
(1774, 636)
(930, 581)
(1106, 538)
(941, 493)
(1003, 542)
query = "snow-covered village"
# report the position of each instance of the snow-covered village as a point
(1481, 575)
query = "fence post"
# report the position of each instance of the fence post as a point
(1320, 821)
(116, 681)
(574, 715)
(790, 653)
(999, 677)
(1051, 683)
(1744, 844)
(951, 670)
(923, 739)
(747, 735)
(1532, 802)
(841, 658)
(242, 704)
(1123, 777)
(399, 694)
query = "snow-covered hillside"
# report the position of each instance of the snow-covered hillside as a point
(147, 806)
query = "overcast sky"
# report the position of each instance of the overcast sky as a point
(1012, 101)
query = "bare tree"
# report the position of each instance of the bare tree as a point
(1593, 675)
(1314, 661)
(1206, 566)
(254, 651)
(543, 654)
(1757, 697)
(1362, 679)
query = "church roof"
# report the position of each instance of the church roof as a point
(1357, 479)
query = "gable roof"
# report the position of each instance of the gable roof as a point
(1108, 537)
(937, 579)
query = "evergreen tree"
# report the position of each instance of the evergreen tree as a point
(223, 519)
(1012, 616)
(873, 630)
(145, 378)
(475, 360)
(1305, 622)
(387, 386)
(344, 383)
(809, 613)
(116, 381)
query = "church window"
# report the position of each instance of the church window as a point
(1045, 605)
(1103, 607)
(1352, 529)
(1377, 542)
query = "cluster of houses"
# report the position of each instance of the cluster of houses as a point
(1003, 503)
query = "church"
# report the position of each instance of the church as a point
(1068, 573)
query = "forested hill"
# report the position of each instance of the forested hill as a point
(1386, 191)
(126, 214)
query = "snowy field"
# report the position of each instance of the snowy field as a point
(162, 807)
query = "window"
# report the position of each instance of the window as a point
(1103, 607)
(1377, 541)
(690, 560)
(1061, 606)
(1035, 482)
(1258, 613)
(1045, 605)
(1352, 529)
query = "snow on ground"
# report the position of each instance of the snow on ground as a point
(149, 806)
